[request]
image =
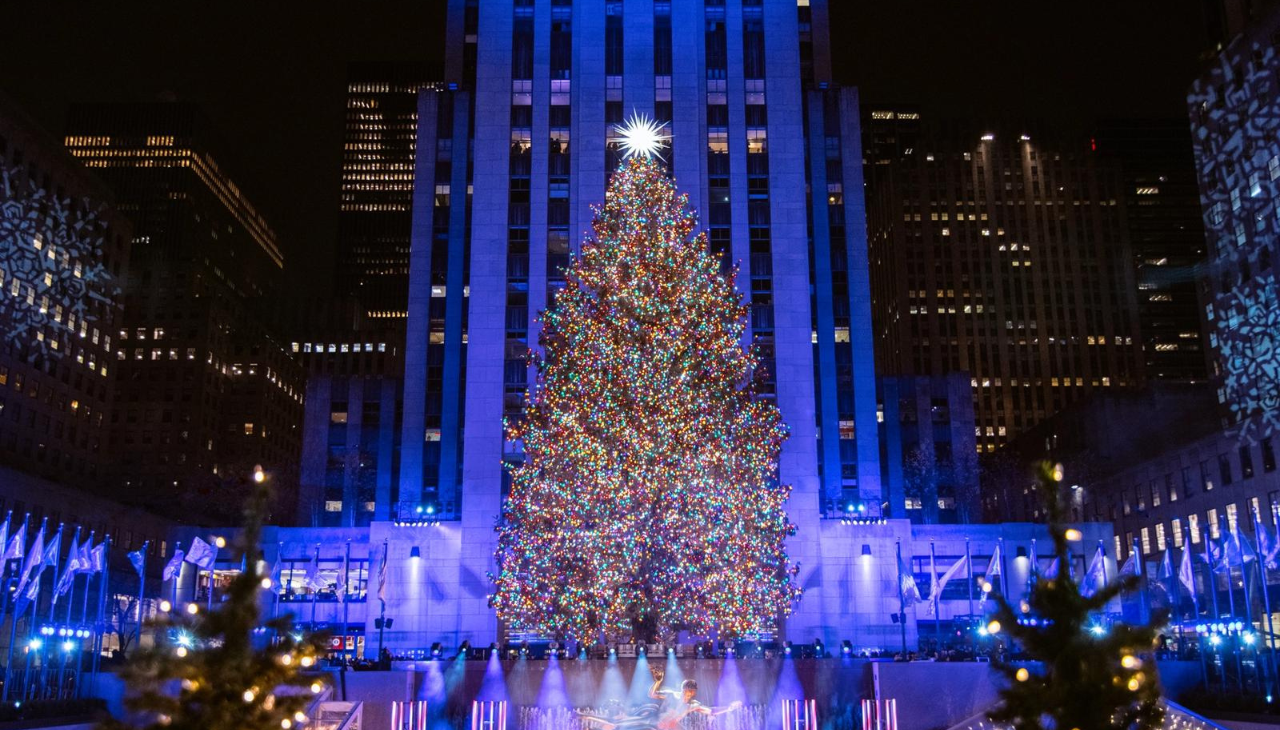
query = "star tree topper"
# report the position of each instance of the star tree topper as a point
(641, 136)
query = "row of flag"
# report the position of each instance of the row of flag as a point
(1223, 555)
(83, 558)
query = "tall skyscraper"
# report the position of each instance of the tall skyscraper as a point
(1166, 238)
(1005, 257)
(376, 213)
(541, 86)
(205, 389)
(1235, 125)
(64, 251)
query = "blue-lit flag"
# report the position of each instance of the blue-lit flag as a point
(202, 554)
(34, 556)
(1186, 571)
(1130, 566)
(382, 576)
(139, 560)
(1268, 546)
(1095, 573)
(1244, 549)
(993, 565)
(98, 557)
(69, 568)
(17, 544)
(314, 581)
(941, 583)
(1051, 572)
(907, 587)
(52, 550)
(4, 532)
(173, 568)
(85, 552)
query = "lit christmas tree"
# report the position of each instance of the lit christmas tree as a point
(205, 672)
(647, 502)
(1103, 680)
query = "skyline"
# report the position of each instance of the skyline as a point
(961, 65)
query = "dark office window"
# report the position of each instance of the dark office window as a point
(1224, 469)
(1246, 463)
(1268, 455)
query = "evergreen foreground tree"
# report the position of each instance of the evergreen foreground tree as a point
(204, 672)
(1085, 680)
(647, 501)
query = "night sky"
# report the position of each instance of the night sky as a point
(271, 74)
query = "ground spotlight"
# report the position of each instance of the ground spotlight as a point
(846, 647)
(437, 651)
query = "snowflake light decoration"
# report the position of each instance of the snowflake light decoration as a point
(1248, 341)
(51, 267)
(641, 136)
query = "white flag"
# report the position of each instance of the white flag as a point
(1186, 572)
(935, 594)
(202, 554)
(993, 566)
(314, 582)
(1093, 575)
(173, 568)
(17, 544)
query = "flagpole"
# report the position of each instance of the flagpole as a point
(275, 605)
(4, 570)
(72, 555)
(315, 592)
(902, 608)
(142, 588)
(1195, 607)
(346, 599)
(177, 577)
(1004, 570)
(71, 589)
(1032, 570)
(1266, 598)
(104, 585)
(1244, 579)
(968, 569)
(1102, 548)
(13, 622)
(936, 598)
(84, 612)
(213, 567)
(346, 614)
(31, 688)
(382, 617)
(1231, 604)
(1211, 582)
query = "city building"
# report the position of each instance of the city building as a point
(425, 595)
(65, 255)
(1156, 465)
(1166, 239)
(541, 86)
(350, 449)
(929, 445)
(1235, 121)
(379, 143)
(1004, 255)
(205, 389)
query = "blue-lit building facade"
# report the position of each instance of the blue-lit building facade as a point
(539, 87)
(513, 150)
